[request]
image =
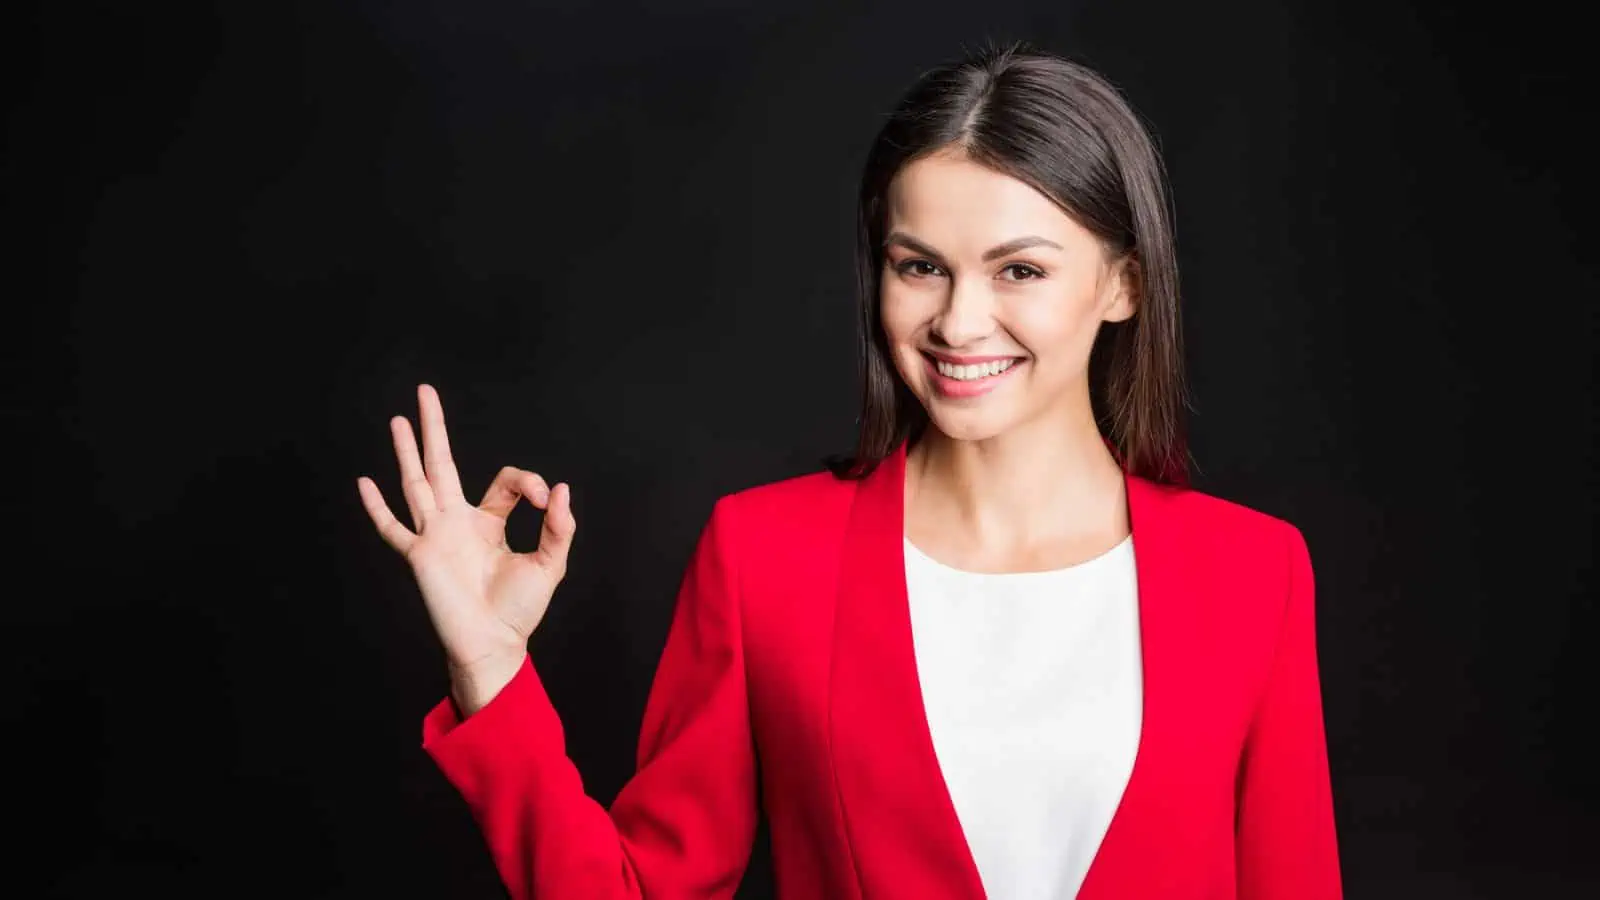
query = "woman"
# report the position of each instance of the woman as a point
(1001, 650)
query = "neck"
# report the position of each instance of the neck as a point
(1037, 483)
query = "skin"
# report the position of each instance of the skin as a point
(1018, 479)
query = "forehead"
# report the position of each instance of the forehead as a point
(951, 197)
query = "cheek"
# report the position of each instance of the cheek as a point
(904, 317)
(902, 314)
(1062, 323)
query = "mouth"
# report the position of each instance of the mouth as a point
(970, 380)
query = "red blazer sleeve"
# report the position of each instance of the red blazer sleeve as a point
(683, 825)
(1286, 843)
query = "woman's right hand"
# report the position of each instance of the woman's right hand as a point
(484, 599)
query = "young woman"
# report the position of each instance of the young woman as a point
(1002, 649)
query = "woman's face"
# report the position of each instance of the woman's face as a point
(991, 297)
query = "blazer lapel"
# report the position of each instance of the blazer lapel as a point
(1123, 867)
(901, 824)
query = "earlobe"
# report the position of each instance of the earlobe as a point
(1124, 292)
(1122, 306)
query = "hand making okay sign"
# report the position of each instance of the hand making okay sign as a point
(484, 598)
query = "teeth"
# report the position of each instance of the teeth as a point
(969, 373)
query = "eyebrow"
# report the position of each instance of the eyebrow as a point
(1011, 246)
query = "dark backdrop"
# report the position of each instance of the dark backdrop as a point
(617, 239)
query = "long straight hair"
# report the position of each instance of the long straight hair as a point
(1064, 130)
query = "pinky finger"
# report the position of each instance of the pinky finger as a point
(393, 533)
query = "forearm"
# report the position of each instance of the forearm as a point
(509, 762)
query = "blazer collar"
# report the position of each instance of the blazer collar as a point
(905, 837)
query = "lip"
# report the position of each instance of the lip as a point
(955, 360)
(951, 387)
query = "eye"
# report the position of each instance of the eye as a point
(921, 268)
(916, 268)
(1025, 271)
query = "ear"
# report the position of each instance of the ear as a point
(1122, 290)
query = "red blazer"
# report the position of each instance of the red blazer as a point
(789, 684)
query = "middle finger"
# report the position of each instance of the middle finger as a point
(413, 482)
(436, 448)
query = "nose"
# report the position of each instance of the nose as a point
(967, 316)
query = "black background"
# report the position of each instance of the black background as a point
(618, 240)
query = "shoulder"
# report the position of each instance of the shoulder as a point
(1245, 567)
(801, 501)
(789, 529)
(1214, 511)
(1224, 529)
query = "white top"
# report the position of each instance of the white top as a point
(1033, 684)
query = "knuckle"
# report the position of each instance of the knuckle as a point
(420, 554)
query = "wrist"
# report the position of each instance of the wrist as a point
(473, 686)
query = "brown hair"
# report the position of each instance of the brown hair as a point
(1063, 129)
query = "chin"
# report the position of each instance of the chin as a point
(976, 425)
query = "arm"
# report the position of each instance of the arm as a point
(683, 825)
(1284, 833)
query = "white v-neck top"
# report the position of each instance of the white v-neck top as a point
(1033, 685)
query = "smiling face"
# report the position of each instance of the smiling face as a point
(991, 297)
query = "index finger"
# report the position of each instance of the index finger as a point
(436, 447)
